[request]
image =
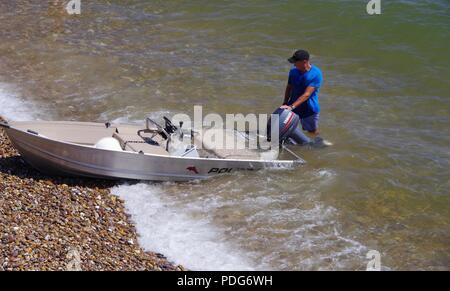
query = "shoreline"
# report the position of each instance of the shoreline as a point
(60, 223)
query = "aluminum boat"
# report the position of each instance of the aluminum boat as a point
(127, 151)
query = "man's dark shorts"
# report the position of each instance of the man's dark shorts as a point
(310, 123)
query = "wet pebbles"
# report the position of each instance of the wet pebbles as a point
(56, 223)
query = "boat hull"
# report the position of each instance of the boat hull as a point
(62, 158)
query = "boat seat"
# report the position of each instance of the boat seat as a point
(85, 133)
(223, 152)
(134, 143)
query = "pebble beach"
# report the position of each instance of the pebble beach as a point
(58, 223)
(383, 186)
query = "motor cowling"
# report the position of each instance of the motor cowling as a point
(288, 122)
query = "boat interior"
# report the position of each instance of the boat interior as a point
(151, 139)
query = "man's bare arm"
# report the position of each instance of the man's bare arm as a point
(287, 94)
(308, 92)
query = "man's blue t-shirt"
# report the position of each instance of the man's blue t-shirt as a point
(299, 82)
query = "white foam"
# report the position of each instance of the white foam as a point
(325, 173)
(12, 107)
(165, 227)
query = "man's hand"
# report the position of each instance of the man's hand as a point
(286, 107)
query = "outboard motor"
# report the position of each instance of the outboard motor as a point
(289, 129)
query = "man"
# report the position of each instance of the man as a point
(302, 95)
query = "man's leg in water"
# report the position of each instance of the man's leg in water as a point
(314, 133)
(311, 124)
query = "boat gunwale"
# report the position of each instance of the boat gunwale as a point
(11, 127)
